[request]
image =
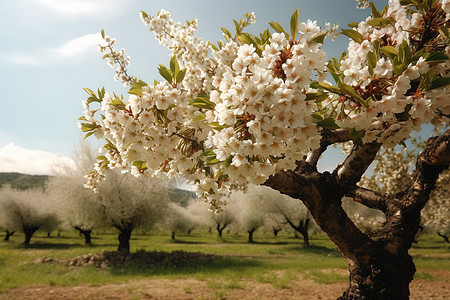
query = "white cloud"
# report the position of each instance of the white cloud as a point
(17, 159)
(78, 46)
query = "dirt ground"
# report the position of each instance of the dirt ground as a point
(183, 289)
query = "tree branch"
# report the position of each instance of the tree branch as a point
(369, 198)
(355, 165)
(430, 163)
(329, 137)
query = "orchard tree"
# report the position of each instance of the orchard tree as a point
(129, 203)
(78, 208)
(26, 211)
(249, 110)
(249, 209)
(178, 219)
(283, 209)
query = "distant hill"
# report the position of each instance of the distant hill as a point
(181, 197)
(23, 181)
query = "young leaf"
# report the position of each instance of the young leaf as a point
(103, 33)
(226, 33)
(389, 51)
(318, 38)
(174, 67)
(375, 12)
(278, 28)
(90, 92)
(180, 76)
(165, 73)
(353, 34)
(294, 24)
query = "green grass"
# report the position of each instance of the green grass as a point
(277, 261)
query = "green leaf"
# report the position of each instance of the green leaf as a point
(327, 123)
(228, 161)
(439, 83)
(140, 165)
(202, 103)
(329, 87)
(355, 134)
(88, 135)
(436, 57)
(353, 34)
(349, 90)
(174, 67)
(318, 38)
(375, 12)
(165, 73)
(244, 38)
(353, 24)
(378, 22)
(226, 33)
(217, 126)
(404, 53)
(85, 127)
(117, 102)
(278, 28)
(389, 51)
(90, 92)
(105, 56)
(135, 91)
(294, 24)
(371, 61)
(103, 33)
(180, 76)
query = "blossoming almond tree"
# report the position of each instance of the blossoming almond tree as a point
(248, 110)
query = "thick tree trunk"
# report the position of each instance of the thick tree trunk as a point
(379, 264)
(124, 237)
(380, 275)
(86, 233)
(29, 231)
(8, 235)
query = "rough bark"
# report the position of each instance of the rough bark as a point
(379, 264)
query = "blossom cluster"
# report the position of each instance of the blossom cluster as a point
(239, 115)
(241, 111)
(395, 101)
(116, 59)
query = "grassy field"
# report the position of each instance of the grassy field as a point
(275, 260)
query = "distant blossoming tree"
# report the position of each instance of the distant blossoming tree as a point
(26, 211)
(249, 110)
(78, 208)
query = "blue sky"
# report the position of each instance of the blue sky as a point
(48, 53)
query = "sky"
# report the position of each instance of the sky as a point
(48, 54)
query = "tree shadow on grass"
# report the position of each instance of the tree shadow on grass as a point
(180, 263)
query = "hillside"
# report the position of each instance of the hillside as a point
(23, 181)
